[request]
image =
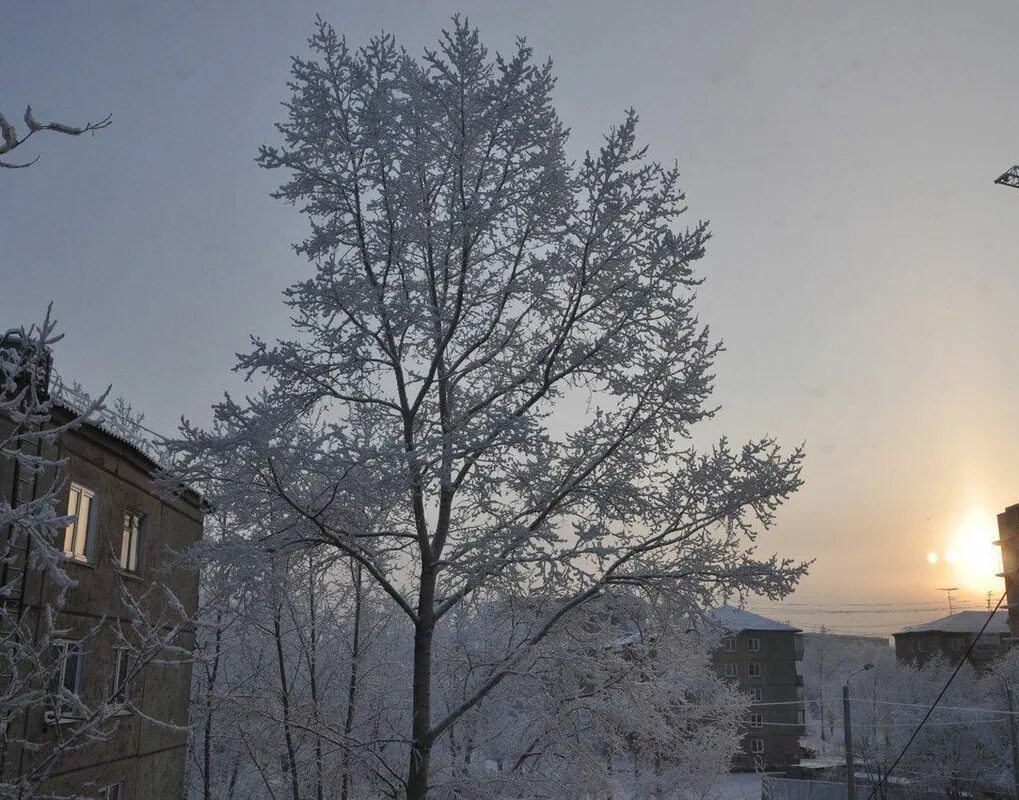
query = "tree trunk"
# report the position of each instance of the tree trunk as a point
(421, 745)
(285, 701)
(355, 653)
(313, 677)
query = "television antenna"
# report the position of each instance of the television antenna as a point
(1009, 178)
(948, 590)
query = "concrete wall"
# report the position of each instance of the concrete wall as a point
(779, 682)
(922, 646)
(146, 757)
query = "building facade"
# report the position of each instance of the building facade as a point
(122, 535)
(761, 656)
(1008, 541)
(950, 638)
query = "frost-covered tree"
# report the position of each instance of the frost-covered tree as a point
(964, 746)
(495, 369)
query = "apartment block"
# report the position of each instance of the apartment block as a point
(761, 655)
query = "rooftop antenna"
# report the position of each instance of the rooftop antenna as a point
(1009, 178)
(948, 590)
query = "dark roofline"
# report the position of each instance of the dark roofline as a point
(64, 413)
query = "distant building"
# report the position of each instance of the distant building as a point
(1008, 541)
(848, 639)
(950, 638)
(761, 656)
(122, 534)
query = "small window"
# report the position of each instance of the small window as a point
(114, 792)
(69, 659)
(757, 746)
(801, 717)
(757, 720)
(754, 670)
(955, 644)
(921, 646)
(755, 695)
(81, 504)
(754, 645)
(124, 663)
(730, 644)
(130, 542)
(731, 669)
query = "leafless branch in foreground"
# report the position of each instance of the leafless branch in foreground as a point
(11, 140)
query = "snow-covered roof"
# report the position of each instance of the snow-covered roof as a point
(735, 620)
(963, 622)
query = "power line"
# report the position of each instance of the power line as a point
(937, 699)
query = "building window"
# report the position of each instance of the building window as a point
(130, 542)
(754, 645)
(69, 659)
(730, 644)
(801, 717)
(757, 720)
(119, 688)
(955, 644)
(757, 746)
(731, 669)
(921, 646)
(754, 670)
(114, 792)
(755, 695)
(81, 504)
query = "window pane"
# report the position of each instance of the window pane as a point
(72, 511)
(81, 527)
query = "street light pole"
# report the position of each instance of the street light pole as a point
(847, 732)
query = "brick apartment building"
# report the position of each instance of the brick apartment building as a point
(761, 655)
(122, 534)
(950, 637)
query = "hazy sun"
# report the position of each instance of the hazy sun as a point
(972, 554)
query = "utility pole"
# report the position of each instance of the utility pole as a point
(847, 732)
(948, 590)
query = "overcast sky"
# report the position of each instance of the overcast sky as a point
(862, 271)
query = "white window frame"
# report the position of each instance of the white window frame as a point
(757, 720)
(64, 648)
(120, 685)
(731, 669)
(124, 561)
(115, 791)
(730, 644)
(757, 746)
(755, 695)
(754, 645)
(754, 670)
(74, 531)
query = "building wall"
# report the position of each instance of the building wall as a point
(922, 646)
(146, 757)
(1008, 540)
(779, 683)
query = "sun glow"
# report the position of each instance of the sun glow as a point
(972, 554)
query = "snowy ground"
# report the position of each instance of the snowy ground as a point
(745, 786)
